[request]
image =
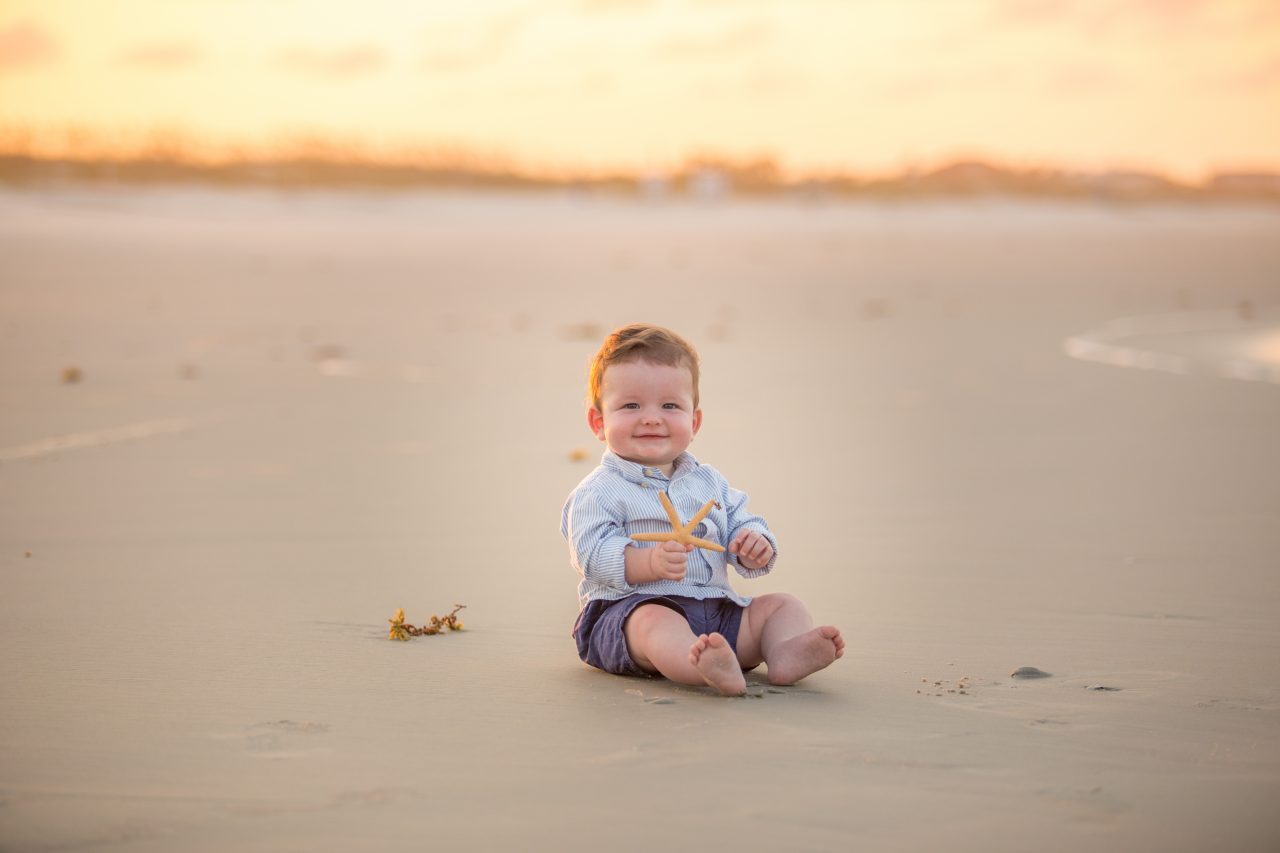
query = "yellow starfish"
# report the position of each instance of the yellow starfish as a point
(680, 532)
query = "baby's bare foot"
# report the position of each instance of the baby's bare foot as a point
(804, 654)
(717, 664)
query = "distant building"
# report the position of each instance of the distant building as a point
(708, 184)
(1134, 186)
(654, 186)
(968, 177)
(1247, 184)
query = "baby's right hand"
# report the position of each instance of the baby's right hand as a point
(667, 561)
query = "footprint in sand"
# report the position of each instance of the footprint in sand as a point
(652, 700)
(754, 691)
(285, 739)
(1092, 804)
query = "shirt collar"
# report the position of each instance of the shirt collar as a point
(634, 472)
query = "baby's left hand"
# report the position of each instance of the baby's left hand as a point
(752, 548)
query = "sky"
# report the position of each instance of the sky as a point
(1186, 87)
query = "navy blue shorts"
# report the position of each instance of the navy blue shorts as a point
(602, 643)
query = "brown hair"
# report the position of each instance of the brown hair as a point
(641, 342)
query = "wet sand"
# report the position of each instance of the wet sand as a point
(296, 413)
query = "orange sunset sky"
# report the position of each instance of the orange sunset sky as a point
(1181, 86)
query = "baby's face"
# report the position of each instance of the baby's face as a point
(646, 412)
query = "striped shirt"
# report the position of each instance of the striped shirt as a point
(620, 498)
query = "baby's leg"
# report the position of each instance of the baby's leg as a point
(777, 630)
(659, 640)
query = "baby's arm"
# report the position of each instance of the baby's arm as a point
(666, 561)
(597, 542)
(753, 549)
(751, 543)
(601, 551)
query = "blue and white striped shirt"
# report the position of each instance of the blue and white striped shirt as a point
(620, 498)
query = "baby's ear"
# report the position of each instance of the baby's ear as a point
(697, 420)
(595, 420)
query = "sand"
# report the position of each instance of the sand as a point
(296, 413)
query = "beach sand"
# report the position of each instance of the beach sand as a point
(293, 414)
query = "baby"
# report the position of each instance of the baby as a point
(667, 607)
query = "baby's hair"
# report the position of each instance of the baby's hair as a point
(641, 342)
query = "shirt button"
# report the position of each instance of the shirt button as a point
(644, 485)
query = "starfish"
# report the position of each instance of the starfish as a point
(680, 532)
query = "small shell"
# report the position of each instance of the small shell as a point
(1029, 672)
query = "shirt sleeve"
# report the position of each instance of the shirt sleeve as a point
(597, 540)
(740, 518)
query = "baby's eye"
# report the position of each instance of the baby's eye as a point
(670, 405)
(630, 405)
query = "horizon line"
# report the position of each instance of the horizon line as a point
(182, 146)
(703, 176)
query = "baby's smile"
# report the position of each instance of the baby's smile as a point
(647, 414)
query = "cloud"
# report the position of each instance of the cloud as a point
(1033, 12)
(729, 4)
(1054, 79)
(352, 61)
(744, 38)
(24, 45)
(1078, 79)
(1261, 76)
(598, 83)
(1162, 16)
(1194, 18)
(755, 81)
(485, 44)
(161, 56)
(920, 85)
(606, 6)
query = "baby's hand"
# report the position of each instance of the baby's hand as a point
(752, 548)
(667, 561)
